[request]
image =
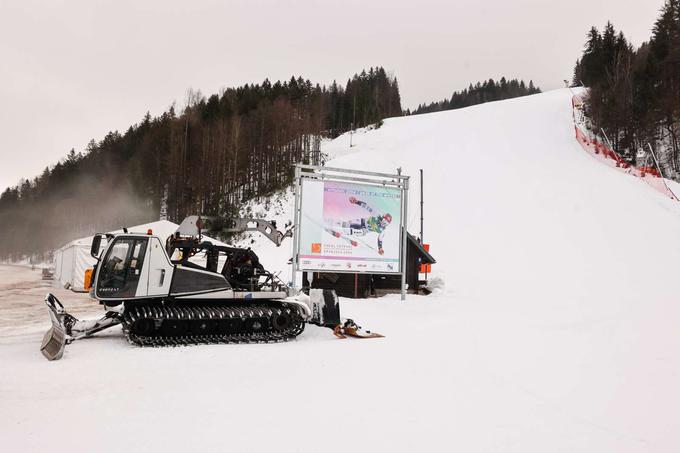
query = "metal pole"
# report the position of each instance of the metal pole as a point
(347, 170)
(608, 141)
(656, 162)
(422, 241)
(354, 120)
(324, 176)
(296, 226)
(658, 168)
(404, 236)
(354, 112)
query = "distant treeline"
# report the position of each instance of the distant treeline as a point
(480, 93)
(635, 93)
(217, 153)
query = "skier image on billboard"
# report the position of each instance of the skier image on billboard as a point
(375, 223)
(350, 227)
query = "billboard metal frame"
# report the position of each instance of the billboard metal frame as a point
(399, 181)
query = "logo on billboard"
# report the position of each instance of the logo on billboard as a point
(316, 247)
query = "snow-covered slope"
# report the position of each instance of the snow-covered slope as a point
(514, 207)
(556, 330)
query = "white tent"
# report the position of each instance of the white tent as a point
(73, 259)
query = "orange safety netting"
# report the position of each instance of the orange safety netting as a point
(598, 149)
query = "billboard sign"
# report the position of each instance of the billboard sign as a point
(349, 226)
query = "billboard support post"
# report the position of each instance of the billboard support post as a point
(296, 232)
(404, 236)
(328, 236)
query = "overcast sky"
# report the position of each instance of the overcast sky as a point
(71, 71)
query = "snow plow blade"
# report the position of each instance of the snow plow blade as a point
(54, 340)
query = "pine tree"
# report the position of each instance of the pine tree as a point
(635, 93)
(479, 93)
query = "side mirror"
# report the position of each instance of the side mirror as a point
(96, 243)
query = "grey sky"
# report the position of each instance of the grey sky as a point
(72, 70)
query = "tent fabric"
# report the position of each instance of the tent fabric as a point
(73, 259)
(70, 263)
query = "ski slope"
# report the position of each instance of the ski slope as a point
(555, 329)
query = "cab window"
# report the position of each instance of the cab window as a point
(121, 268)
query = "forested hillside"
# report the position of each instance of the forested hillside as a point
(480, 93)
(635, 93)
(216, 153)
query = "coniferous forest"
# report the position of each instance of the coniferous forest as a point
(480, 93)
(634, 93)
(209, 158)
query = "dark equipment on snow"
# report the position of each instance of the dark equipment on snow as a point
(162, 298)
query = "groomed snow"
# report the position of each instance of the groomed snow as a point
(557, 329)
